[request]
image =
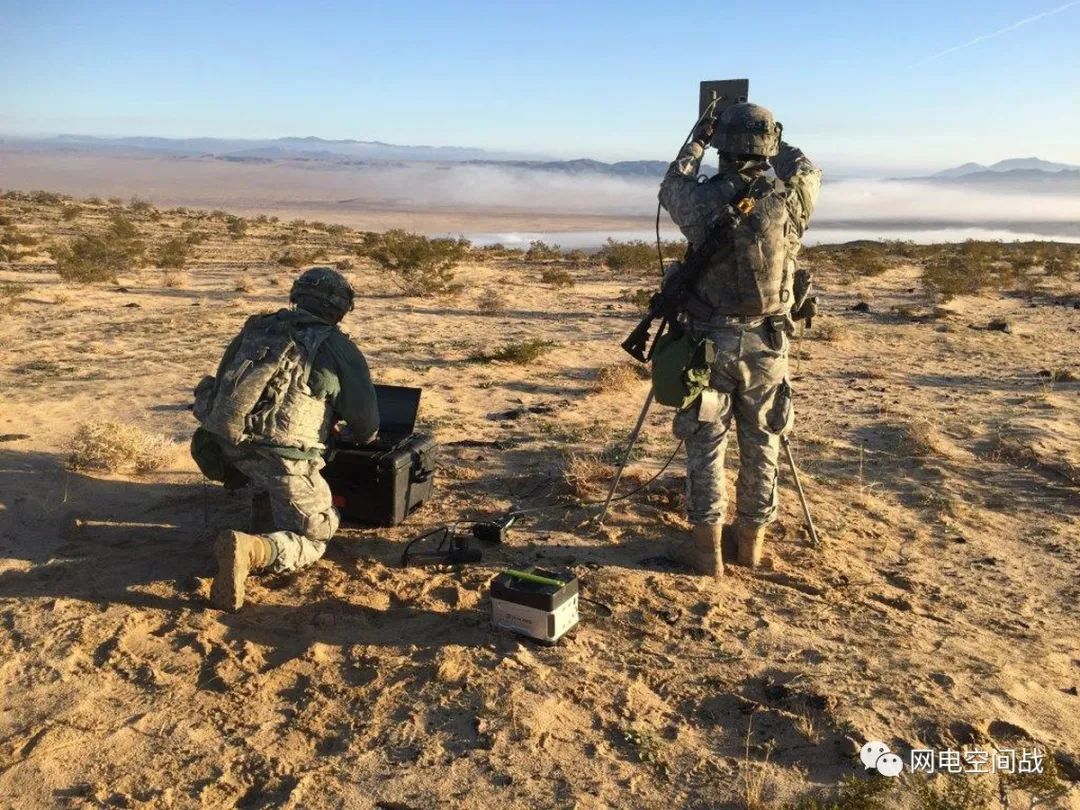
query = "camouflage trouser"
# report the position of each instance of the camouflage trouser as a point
(291, 506)
(748, 384)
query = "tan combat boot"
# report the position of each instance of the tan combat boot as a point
(751, 542)
(237, 553)
(702, 550)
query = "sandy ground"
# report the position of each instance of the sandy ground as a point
(942, 610)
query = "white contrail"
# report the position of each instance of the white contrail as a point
(1004, 30)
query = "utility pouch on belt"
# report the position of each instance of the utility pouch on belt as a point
(681, 367)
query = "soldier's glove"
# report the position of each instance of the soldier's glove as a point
(805, 306)
(786, 162)
(806, 311)
(704, 130)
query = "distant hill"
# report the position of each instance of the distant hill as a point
(625, 168)
(292, 148)
(1009, 165)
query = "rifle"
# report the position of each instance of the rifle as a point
(677, 290)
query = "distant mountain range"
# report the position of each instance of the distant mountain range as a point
(255, 150)
(1030, 174)
(1010, 165)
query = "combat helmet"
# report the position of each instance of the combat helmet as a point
(746, 129)
(323, 292)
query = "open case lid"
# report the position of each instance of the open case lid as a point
(398, 407)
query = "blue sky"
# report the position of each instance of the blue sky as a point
(855, 83)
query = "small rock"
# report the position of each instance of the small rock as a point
(862, 306)
(133, 305)
(1073, 690)
(999, 326)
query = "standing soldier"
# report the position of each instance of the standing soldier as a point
(742, 307)
(265, 417)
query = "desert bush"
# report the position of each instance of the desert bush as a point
(236, 227)
(520, 352)
(830, 331)
(343, 264)
(1060, 264)
(244, 284)
(173, 279)
(292, 257)
(853, 793)
(619, 377)
(116, 447)
(11, 293)
(639, 298)
(96, 258)
(585, 475)
(556, 277)
(14, 238)
(493, 304)
(336, 230)
(633, 255)
(70, 212)
(173, 255)
(967, 270)
(637, 254)
(138, 206)
(541, 251)
(420, 266)
(120, 227)
(46, 197)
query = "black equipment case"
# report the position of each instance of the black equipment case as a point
(382, 483)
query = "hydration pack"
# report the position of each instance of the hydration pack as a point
(262, 396)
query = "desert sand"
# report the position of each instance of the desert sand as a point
(941, 459)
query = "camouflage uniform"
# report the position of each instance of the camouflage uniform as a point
(749, 376)
(291, 502)
(291, 505)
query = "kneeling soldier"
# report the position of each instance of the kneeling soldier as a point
(265, 418)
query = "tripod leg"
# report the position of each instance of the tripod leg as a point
(626, 457)
(814, 541)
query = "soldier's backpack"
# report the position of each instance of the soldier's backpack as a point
(262, 396)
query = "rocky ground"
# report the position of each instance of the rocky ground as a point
(941, 458)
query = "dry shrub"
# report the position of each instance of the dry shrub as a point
(244, 284)
(640, 297)
(173, 255)
(637, 254)
(420, 266)
(585, 475)
(11, 293)
(619, 377)
(969, 269)
(556, 277)
(521, 352)
(493, 304)
(173, 280)
(541, 251)
(115, 447)
(830, 331)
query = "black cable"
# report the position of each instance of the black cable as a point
(708, 111)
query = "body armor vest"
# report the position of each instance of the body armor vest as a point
(263, 397)
(756, 277)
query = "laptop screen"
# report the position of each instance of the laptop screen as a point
(398, 407)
